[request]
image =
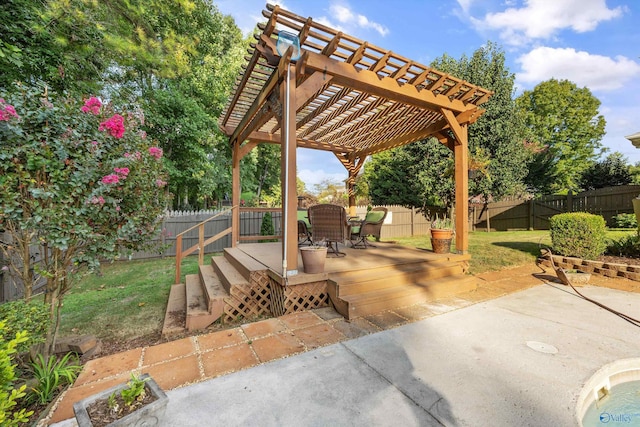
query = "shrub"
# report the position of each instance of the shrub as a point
(19, 316)
(625, 221)
(9, 396)
(627, 246)
(266, 228)
(578, 234)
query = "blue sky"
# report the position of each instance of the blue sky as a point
(593, 43)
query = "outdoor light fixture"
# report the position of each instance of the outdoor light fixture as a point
(285, 40)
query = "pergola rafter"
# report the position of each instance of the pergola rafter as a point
(346, 96)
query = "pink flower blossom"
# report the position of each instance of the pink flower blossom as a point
(122, 172)
(160, 183)
(7, 111)
(94, 143)
(142, 134)
(117, 208)
(92, 105)
(110, 179)
(135, 156)
(115, 126)
(97, 200)
(155, 152)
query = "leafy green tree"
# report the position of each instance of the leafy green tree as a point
(80, 181)
(416, 175)
(497, 140)
(421, 174)
(267, 168)
(182, 128)
(613, 170)
(566, 127)
(137, 53)
(329, 191)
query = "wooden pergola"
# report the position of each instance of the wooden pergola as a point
(341, 94)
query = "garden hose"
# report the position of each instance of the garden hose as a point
(563, 277)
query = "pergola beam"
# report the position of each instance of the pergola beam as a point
(368, 81)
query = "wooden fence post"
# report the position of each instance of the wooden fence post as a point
(488, 218)
(570, 201)
(413, 214)
(532, 217)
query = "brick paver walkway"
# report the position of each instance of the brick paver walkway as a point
(190, 360)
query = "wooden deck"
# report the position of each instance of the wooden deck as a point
(247, 282)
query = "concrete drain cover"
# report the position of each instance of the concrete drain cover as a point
(542, 347)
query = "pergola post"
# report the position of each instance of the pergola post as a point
(235, 195)
(288, 168)
(351, 191)
(461, 156)
(353, 166)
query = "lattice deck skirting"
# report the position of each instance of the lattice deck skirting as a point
(249, 301)
(290, 299)
(266, 297)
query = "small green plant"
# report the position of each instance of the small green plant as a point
(134, 392)
(10, 396)
(443, 223)
(112, 403)
(627, 246)
(578, 234)
(625, 221)
(52, 375)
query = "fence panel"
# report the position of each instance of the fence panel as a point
(400, 222)
(535, 213)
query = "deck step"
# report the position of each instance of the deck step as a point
(364, 304)
(175, 314)
(369, 281)
(243, 262)
(214, 292)
(227, 273)
(197, 313)
(385, 268)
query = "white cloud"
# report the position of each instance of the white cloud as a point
(542, 19)
(347, 18)
(465, 5)
(597, 72)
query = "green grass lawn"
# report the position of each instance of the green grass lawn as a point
(128, 299)
(495, 250)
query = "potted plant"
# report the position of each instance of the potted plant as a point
(140, 401)
(441, 234)
(313, 257)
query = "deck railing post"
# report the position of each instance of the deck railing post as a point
(178, 257)
(201, 244)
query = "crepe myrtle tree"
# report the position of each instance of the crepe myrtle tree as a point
(79, 182)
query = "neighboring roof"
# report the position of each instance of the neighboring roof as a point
(635, 139)
(353, 98)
